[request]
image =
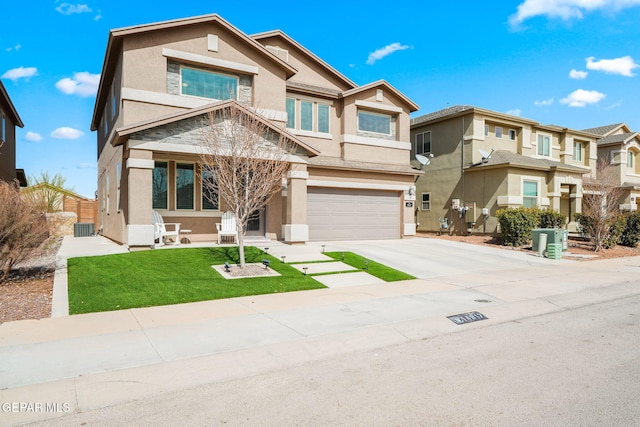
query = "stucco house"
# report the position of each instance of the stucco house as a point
(9, 119)
(351, 177)
(620, 146)
(484, 161)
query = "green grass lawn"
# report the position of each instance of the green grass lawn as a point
(172, 276)
(378, 270)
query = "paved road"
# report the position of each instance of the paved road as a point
(570, 368)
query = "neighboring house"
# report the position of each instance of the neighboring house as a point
(52, 199)
(9, 119)
(352, 177)
(621, 148)
(484, 161)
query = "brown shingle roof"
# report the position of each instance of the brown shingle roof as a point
(507, 158)
(603, 130)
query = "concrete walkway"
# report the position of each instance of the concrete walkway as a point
(95, 360)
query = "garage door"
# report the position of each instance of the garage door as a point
(342, 214)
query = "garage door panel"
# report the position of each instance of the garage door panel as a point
(343, 214)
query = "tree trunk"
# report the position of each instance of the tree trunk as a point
(241, 246)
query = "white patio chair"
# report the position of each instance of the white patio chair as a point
(161, 234)
(227, 228)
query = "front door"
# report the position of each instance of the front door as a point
(255, 224)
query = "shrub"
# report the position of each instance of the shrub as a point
(631, 235)
(548, 218)
(22, 228)
(516, 225)
(614, 231)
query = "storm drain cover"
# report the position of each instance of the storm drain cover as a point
(472, 316)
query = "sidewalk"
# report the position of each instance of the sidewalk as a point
(93, 360)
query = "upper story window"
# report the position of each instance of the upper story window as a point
(374, 122)
(423, 143)
(544, 145)
(577, 151)
(630, 159)
(512, 134)
(308, 115)
(498, 132)
(486, 130)
(208, 84)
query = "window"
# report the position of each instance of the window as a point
(208, 84)
(374, 122)
(160, 175)
(426, 201)
(314, 116)
(498, 132)
(184, 185)
(323, 118)
(577, 151)
(306, 115)
(529, 194)
(544, 145)
(630, 159)
(118, 179)
(209, 195)
(512, 134)
(486, 130)
(291, 113)
(423, 143)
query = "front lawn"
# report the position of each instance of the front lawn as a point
(378, 270)
(171, 276)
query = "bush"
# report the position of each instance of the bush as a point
(516, 225)
(22, 228)
(616, 230)
(631, 235)
(548, 218)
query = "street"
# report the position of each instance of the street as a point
(573, 367)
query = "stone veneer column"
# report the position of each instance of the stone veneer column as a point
(140, 229)
(296, 229)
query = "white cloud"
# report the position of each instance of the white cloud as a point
(578, 75)
(66, 133)
(515, 112)
(33, 137)
(623, 66)
(83, 84)
(20, 73)
(71, 9)
(87, 166)
(565, 9)
(385, 51)
(543, 103)
(16, 48)
(581, 98)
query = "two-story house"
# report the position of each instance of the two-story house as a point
(9, 119)
(484, 161)
(620, 146)
(351, 177)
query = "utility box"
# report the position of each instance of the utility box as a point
(554, 236)
(471, 214)
(83, 229)
(554, 250)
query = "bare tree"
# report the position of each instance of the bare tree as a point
(243, 161)
(601, 202)
(23, 228)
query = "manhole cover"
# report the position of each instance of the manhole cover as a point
(461, 319)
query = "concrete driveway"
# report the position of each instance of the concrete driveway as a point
(432, 257)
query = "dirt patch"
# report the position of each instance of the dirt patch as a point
(576, 246)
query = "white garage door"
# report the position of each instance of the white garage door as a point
(343, 214)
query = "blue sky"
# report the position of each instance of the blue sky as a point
(574, 63)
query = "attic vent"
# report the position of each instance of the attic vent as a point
(280, 53)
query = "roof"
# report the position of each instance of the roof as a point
(114, 44)
(459, 110)
(504, 158)
(621, 138)
(4, 98)
(57, 189)
(123, 133)
(337, 163)
(308, 53)
(412, 105)
(604, 130)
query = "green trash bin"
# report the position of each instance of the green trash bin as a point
(554, 250)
